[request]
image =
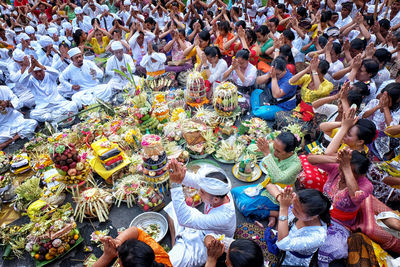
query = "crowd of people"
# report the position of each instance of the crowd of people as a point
(330, 66)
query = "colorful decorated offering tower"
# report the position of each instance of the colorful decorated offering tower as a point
(155, 159)
(196, 90)
(225, 99)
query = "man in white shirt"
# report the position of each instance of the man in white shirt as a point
(46, 51)
(92, 9)
(106, 18)
(81, 21)
(138, 44)
(18, 72)
(50, 105)
(153, 62)
(119, 61)
(344, 15)
(81, 78)
(188, 226)
(26, 46)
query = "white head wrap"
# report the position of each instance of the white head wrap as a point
(18, 55)
(67, 25)
(74, 51)
(24, 36)
(54, 17)
(260, 9)
(127, 3)
(65, 40)
(104, 8)
(214, 186)
(116, 45)
(37, 68)
(135, 8)
(52, 31)
(29, 30)
(45, 41)
(78, 10)
(371, 9)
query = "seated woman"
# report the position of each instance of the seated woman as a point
(302, 230)
(201, 41)
(384, 111)
(247, 40)
(239, 253)
(278, 95)
(13, 126)
(242, 73)
(177, 46)
(133, 247)
(264, 42)
(282, 165)
(347, 188)
(224, 36)
(285, 51)
(212, 65)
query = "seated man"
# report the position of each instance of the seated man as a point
(188, 226)
(153, 62)
(50, 105)
(13, 126)
(81, 77)
(119, 61)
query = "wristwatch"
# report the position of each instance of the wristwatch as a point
(282, 218)
(175, 185)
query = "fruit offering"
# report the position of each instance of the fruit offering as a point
(192, 196)
(160, 108)
(154, 159)
(93, 202)
(66, 159)
(149, 199)
(225, 99)
(196, 91)
(42, 163)
(53, 234)
(4, 162)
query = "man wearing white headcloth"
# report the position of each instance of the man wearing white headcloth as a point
(92, 9)
(106, 18)
(119, 61)
(81, 21)
(26, 46)
(67, 31)
(81, 79)
(189, 226)
(30, 31)
(50, 105)
(18, 71)
(46, 51)
(53, 33)
(13, 126)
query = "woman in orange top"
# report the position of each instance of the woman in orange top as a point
(133, 247)
(247, 40)
(224, 36)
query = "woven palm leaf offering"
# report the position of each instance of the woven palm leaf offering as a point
(92, 203)
(127, 190)
(225, 99)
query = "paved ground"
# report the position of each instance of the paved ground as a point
(119, 217)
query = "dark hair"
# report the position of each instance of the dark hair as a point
(315, 203)
(362, 88)
(305, 24)
(371, 66)
(360, 162)
(275, 21)
(94, 20)
(337, 48)
(119, 21)
(323, 66)
(245, 253)
(205, 36)
(243, 53)
(286, 52)
(302, 12)
(251, 36)
(77, 36)
(289, 140)
(212, 51)
(384, 23)
(135, 253)
(150, 20)
(366, 130)
(263, 30)
(219, 176)
(355, 97)
(279, 63)
(241, 23)
(194, 21)
(348, 5)
(63, 43)
(322, 41)
(225, 26)
(369, 19)
(326, 16)
(358, 44)
(393, 91)
(281, 6)
(288, 35)
(383, 55)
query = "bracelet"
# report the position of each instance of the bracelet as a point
(282, 218)
(175, 185)
(314, 73)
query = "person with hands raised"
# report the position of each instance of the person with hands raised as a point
(153, 61)
(188, 225)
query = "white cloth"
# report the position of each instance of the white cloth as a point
(157, 65)
(106, 21)
(45, 59)
(59, 64)
(16, 77)
(118, 82)
(90, 88)
(191, 225)
(260, 20)
(137, 51)
(84, 24)
(382, 76)
(90, 12)
(13, 121)
(50, 105)
(250, 76)
(217, 73)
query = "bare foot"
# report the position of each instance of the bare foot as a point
(259, 224)
(271, 221)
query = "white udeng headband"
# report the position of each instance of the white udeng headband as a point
(214, 186)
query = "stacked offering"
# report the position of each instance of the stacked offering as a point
(142, 113)
(245, 168)
(195, 93)
(108, 153)
(149, 199)
(154, 159)
(160, 108)
(225, 99)
(20, 163)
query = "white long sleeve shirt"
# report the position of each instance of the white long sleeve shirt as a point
(154, 62)
(73, 75)
(137, 51)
